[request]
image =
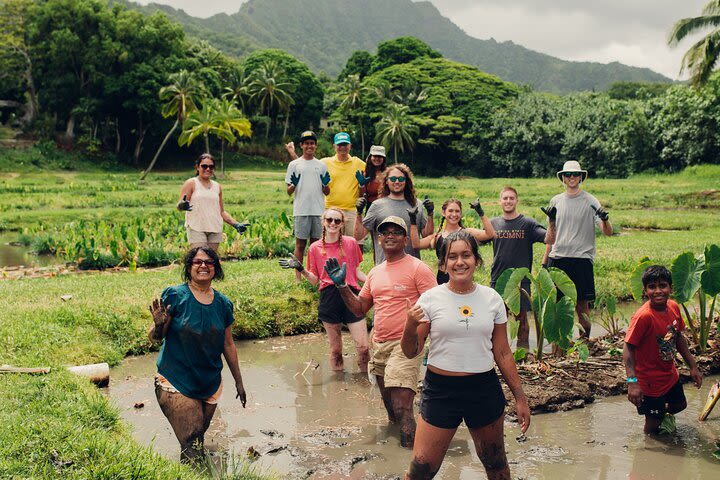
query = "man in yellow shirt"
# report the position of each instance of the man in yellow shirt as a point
(345, 188)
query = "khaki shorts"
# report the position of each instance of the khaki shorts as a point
(350, 216)
(203, 237)
(389, 361)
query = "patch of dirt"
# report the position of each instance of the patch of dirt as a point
(560, 384)
(15, 273)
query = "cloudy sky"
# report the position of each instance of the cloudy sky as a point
(633, 32)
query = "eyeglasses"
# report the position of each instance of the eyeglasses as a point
(197, 262)
(207, 166)
(394, 179)
(572, 174)
(330, 221)
(392, 233)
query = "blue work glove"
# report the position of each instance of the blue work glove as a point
(325, 178)
(241, 227)
(336, 272)
(601, 213)
(361, 179)
(184, 204)
(295, 179)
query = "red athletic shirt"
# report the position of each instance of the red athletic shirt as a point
(654, 335)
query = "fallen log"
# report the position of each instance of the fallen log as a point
(98, 373)
(11, 369)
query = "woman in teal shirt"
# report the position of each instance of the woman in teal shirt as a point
(195, 321)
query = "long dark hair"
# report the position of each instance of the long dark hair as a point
(371, 170)
(190, 256)
(460, 236)
(200, 159)
(409, 191)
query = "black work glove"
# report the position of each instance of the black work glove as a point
(601, 213)
(336, 272)
(551, 212)
(291, 262)
(429, 206)
(413, 213)
(360, 204)
(477, 207)
(295, 179)
(184, 204)
(240, 227)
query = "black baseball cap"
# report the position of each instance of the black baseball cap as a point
(308, 135)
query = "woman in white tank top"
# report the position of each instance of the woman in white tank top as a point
(467, 326)
(201, 200)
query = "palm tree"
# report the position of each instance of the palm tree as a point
(270, 88)
(701, 58)
(200, 122)
(230, 123)
(353, 94)
(179, 98)
(237, 87)
(396, 129)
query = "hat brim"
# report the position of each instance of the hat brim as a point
(583, 172)
(382, 224)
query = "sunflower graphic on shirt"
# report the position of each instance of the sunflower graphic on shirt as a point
(465, 314)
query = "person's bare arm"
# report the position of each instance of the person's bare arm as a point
(230, 354)
(358, 305)
(635, 395)
(359, 230)
(506, 363)
(225, 215)
(429, 228)
(682, 348)
(606, 228)
(360, 275)
(416, 331)
(290, 189)
(186, 193)
(546, 255)
(551, 233)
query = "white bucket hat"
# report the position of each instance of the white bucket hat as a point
(378, 150)
(572, 166)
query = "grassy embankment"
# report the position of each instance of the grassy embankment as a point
(106, 318)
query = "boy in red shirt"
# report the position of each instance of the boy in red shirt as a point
(653, 338)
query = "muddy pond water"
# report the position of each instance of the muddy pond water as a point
(325, 425)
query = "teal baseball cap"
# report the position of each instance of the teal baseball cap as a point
(341, 137)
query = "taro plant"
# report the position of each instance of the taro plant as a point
(609, 318)
(694, 278)
(554, 318)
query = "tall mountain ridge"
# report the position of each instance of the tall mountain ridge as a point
(324, 33)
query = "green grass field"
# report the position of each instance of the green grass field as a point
(47, 421)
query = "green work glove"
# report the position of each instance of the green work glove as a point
(184, 204)
(429, 206)
(291, 262)
(601, 213)
(295, 179)
(551, 212)
(361, 179)
(240, 227)
(360, 204)
(413, 213)
(477, 207)
(325, 179)
(336, 272)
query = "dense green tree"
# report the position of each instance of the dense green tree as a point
(401, 50)
(16, 67)
(359, 63)
(701, 58)
(636, 90)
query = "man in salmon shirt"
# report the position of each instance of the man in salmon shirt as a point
(400, 279)
(651, 342)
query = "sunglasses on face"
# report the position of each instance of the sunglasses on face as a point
(330, 221)
(207, 166)
(572, 174)
(197, 262)
(394, 179)
(392, 233)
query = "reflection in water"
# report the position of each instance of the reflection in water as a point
(324, 425)
(15, 256)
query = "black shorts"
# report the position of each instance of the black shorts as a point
(332, 308)
(580, 271)
(657, 406)
(446, 401)
(526, 285)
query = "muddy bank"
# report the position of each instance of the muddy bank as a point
(564, 384)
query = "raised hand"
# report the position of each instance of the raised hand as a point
(290, 147)
(551, 212)
(413, 213)
(325, 178)
(477, 207)
(295, 178)
(160, 313)
(601, 213)
(335, 271)
(184, 204)
(429, 206)
(241, 227)
(360, 204)
(361, 179)
(291, 262)
(415, 315)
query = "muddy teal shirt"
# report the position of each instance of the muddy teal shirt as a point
(190, 357)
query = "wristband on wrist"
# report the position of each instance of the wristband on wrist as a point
(631, 380)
